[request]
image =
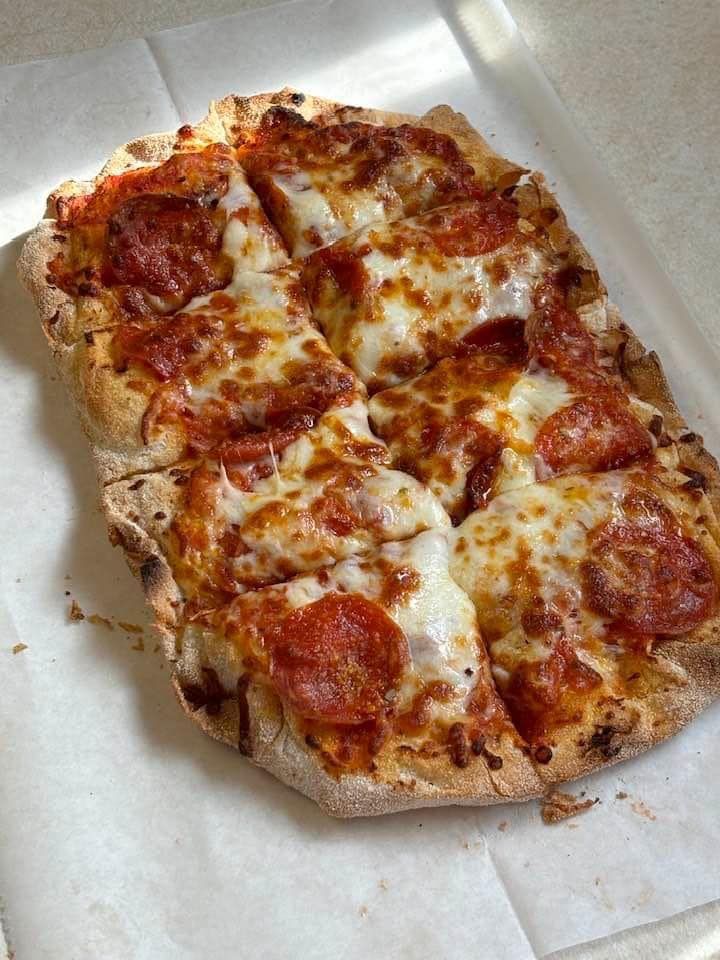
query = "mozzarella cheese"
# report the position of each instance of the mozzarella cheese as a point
(529, 543)
(320, 193)
(267, 336)
(436, 617)
(510, 403)
(416, 304)
(249, 239)
(280, 520)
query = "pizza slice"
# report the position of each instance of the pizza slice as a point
(522, 402)
(264, 511)
(365, 685)
(144, 240)
(323, 170)
(237, 368)
(393, 298)
(594, 595)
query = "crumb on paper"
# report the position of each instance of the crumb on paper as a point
(383, 884)
(100, 621)
(67, 577)
(642, 810)
(621, 795)
(559, 806)
(363, 911)
(19, 647)
(139, 645)
(130, 627)
(502, 826)
(75, 613)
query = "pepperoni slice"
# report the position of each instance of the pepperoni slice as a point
(558, 340)
(253, 446)
(168, 245)
(537, 689)
(333, 513)
(473, 229)
(647, 577)
(164, 346)
(204, 173)
(337, 658)
(594, 433)
(504, 336)
(480, 479)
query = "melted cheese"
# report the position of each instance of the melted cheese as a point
(416, 304)
(319, 200)
(530, 543)
(320, 209)
(510, 403)
(436, 617)
(249, 239)
(278, 520)
(269, 333)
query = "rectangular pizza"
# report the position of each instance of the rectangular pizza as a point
(415, 512)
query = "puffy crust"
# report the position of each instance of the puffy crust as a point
(687, 674)
(136, 519)
(255, 722)
(403, 781)
(242, 116)
(538, 204)
(111, 412)
(57, 310)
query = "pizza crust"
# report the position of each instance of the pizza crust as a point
(259, 726)
(401, 782)
(241, 117)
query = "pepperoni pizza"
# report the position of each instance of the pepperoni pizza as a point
(415, 511)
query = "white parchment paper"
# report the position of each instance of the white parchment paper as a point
(124, 832)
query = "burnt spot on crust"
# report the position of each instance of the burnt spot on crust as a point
(208, 694)
(244, 744)
(543, 754)
(151, 573)
(493, 761)
(656, 425)
(297, 98)
(279, 118)
(114, 536)
(459, 745)
(601, 741)
(695, 481)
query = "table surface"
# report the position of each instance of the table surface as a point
(641, 80)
